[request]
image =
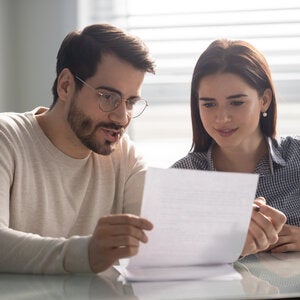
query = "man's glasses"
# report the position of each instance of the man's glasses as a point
(109, 101)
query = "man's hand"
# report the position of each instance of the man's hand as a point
(264, 228)
(115, 237)
(288, 240)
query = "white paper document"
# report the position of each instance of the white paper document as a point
(200, 218)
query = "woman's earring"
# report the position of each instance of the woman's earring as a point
(264, 114)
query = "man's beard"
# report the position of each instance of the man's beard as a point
(81, 123)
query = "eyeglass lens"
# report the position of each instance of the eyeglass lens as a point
(111, 101)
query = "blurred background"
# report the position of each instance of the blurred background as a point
(176, 32)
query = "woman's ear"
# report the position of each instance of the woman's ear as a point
(65, 84)
(266, 100)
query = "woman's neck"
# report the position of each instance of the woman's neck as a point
(239, 159)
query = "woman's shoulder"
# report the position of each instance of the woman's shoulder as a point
(287, 142)
(288, 147)
(194, 160)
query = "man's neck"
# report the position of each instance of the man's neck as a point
(57, 129)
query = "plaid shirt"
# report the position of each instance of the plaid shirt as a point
(279, 174)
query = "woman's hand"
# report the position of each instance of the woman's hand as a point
(265, 225)
(288, 240)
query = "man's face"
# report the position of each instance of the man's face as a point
(97, 130)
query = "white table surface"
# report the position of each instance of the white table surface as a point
(265, 276)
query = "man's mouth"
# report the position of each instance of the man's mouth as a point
(112, 135)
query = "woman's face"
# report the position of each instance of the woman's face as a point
(230, 110)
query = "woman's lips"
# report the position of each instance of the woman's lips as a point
(226, 132)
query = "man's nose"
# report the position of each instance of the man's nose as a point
(120, 114)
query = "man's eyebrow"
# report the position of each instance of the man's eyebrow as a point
(108, 88)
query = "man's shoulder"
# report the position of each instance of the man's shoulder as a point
(10, 122)
(13, 119)
(8, 116)
(16, 128)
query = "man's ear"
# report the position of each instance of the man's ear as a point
(65, 84)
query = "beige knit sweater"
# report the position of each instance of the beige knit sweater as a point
(50, 202)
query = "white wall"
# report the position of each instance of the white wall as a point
(31, 32)
(5, 55)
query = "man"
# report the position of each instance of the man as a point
(71, 182)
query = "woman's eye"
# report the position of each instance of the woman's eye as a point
(237, 103)
(208, 104)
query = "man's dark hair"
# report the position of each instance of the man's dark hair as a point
(81, 51)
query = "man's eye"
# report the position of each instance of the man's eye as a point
(132, 101)
(106, 96)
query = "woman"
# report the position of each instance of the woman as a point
(233, 108)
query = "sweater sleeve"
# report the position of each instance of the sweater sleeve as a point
(22, 252)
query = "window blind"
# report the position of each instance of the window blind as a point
(177, 32)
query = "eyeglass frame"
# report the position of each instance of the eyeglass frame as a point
(100, 94)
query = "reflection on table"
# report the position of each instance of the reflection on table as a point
(264, 276)
(44, 287)
(267, 273)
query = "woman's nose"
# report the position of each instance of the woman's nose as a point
(223, 115)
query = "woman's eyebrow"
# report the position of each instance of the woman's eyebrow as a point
(236, 96)
(206, 99)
